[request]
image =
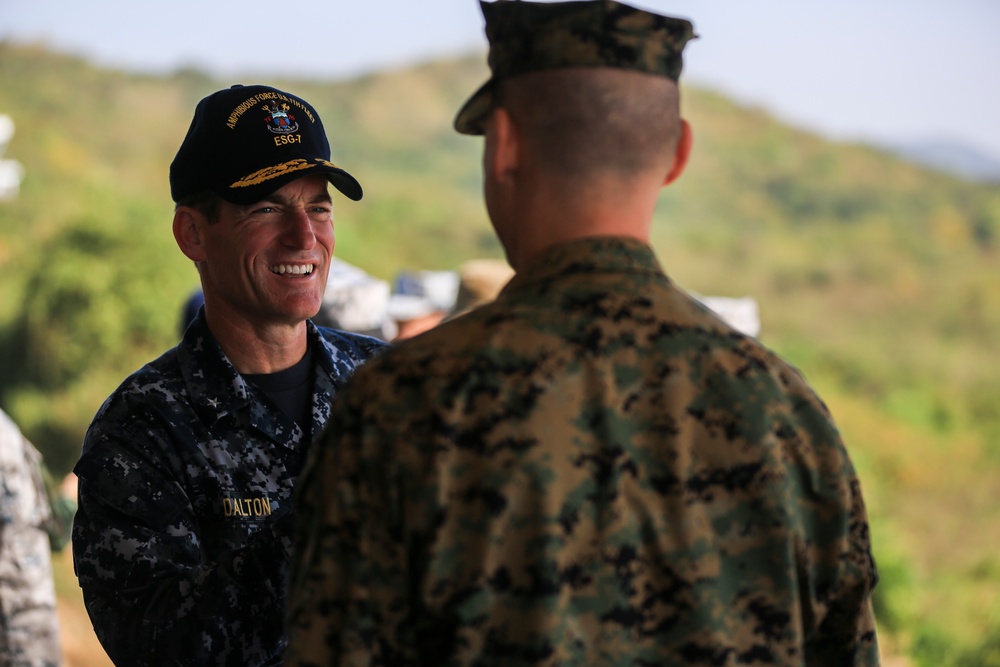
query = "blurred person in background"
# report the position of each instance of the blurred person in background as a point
(595, 468)
(479, 283)
(189, 311)
(183, 533)
(421, 300)
(29, 625)
(356, 301)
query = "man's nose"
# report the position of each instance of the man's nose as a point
(299, 231)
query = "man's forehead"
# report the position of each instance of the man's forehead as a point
(313, 188)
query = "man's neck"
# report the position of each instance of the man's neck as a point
(258, 349)
(551, 221)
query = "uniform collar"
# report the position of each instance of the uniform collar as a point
(216, 388)
(587, 255)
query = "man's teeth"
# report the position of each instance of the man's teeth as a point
(294, 269)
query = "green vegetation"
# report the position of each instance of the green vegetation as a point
(878, 279)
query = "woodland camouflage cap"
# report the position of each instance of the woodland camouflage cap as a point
(531, 36)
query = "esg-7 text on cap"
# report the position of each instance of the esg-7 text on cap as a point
(246, 142)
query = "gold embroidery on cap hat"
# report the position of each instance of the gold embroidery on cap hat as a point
(268, 173)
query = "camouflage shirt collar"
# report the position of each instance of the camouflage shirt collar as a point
(586, 255)
(212, 380)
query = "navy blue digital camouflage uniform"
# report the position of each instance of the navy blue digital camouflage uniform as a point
(182, 536)
(594, 469)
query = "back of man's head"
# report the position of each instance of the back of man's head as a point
(604, 122)
(590, 84)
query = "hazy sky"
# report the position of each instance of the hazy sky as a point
(852, 69)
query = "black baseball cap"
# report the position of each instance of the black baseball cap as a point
(245, 142)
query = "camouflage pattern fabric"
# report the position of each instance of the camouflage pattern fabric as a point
(532, 36)
(29, 626)
(594, 469)
(183, 532)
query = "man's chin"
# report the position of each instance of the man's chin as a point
(293, 312)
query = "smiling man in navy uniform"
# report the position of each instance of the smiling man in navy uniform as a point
(182, 537)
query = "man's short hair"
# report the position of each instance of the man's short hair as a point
(205, 202)
(595, 120)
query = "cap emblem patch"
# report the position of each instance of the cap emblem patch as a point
(278, 120)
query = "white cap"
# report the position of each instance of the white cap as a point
(354, 300)
(421, 293)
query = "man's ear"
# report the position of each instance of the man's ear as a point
(188, 224)
(505, 153)
(681, 154)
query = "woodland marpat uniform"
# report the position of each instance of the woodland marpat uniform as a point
(183, 533)
(592, 470)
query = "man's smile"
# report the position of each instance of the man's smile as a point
(294, 269)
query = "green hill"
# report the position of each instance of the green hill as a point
(879, 279)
